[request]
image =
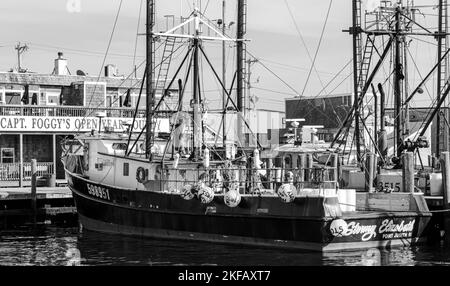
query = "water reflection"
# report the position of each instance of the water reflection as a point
(66, 246)
(36, 247)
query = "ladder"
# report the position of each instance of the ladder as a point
(362, 80)
(161, 80)
(444, 82)
(363, 69)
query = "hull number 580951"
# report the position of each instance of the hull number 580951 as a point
(98, 191)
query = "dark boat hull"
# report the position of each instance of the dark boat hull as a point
(306, 223)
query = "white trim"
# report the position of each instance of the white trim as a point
(199, 37)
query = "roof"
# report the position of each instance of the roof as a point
(63, 80)
(304, 148)
(320, 96)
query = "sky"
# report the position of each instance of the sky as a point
(283, 35)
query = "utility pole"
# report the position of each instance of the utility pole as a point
(20, 50)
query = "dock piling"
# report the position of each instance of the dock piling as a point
(33, 187)
(408, 172)
(370, 171)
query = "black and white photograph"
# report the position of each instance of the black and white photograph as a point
(224, 133)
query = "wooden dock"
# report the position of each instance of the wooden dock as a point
(53, 204)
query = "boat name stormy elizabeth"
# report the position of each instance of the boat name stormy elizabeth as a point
(340, 227)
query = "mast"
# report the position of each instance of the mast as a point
(224, 94)
(240, 66)
(150, 100)
(397, 85)
(356, 31)
(441, 75)
(196, 93)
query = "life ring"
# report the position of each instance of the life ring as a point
(141, 177)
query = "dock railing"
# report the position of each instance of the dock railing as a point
(11, 171)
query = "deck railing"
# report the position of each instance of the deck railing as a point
(67, 111)
(11, 171)
(249, 180)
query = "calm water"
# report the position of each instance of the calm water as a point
(66, 246)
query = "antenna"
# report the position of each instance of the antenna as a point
(20, 50)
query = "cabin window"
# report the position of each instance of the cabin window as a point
(119, 146)
(126, 169)
(99, 166)
(288, 161)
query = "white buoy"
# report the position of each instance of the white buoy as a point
(176, 160)
(232, 198)
(286, 192)
(206, 158)
(206, 194)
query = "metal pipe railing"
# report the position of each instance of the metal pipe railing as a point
(11, 171)
(249, 179)
(67, 111)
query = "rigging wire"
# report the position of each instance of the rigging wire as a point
(206, 7)
(137, 32)
(289, 86)
(131, 87)
(418, 72)
(292, 67)
(318, 47)
(107, 50)
(302, 39)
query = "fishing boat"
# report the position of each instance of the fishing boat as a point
(180, 187)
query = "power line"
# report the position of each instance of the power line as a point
(48, 47)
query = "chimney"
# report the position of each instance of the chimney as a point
(60, 65)
(110, 71)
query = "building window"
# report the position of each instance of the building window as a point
(13, 98)
(7, 155)
(126, 169)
